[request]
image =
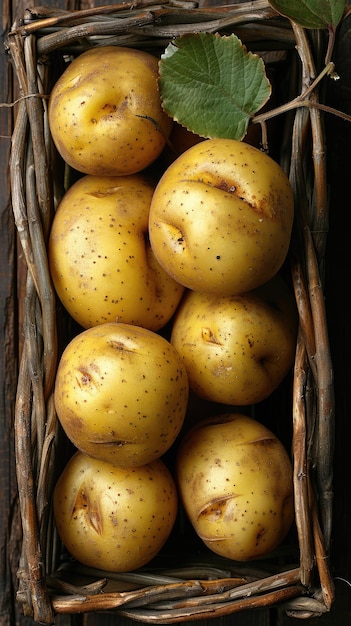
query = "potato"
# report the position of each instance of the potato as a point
(237, 349)
(112, 518)
(221, 217)
(105, 112)
(121, 393)
(100, 258)
(235, 482)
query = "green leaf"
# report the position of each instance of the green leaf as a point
(212, 85)
(311, 13)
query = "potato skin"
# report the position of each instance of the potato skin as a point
(221, 217)
(111, 518)
(100, 259)
(238, 349)
(121, 393)
(105, 112)
(235, 482)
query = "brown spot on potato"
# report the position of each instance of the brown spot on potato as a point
(263, 441)
(108, 444)
(209, 336)
(217, 509)
(260, 535)
(120, 345)
(90, 508)
(83, 378)
(225, 186)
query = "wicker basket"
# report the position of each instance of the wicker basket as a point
(180, 586)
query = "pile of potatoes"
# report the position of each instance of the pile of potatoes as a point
(173, 281)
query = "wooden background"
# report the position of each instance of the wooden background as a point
(338, 282)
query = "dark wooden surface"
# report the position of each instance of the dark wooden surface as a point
(337, 284)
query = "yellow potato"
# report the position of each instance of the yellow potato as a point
(221, 217)
(121, 393)
(112, 518)
(101, 262)
(235, 482)
(105, 112)
(237, 349)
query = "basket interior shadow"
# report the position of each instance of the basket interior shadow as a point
(185, 582)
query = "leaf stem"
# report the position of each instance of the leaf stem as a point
(331, 43)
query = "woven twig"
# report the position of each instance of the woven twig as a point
(37, 183)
